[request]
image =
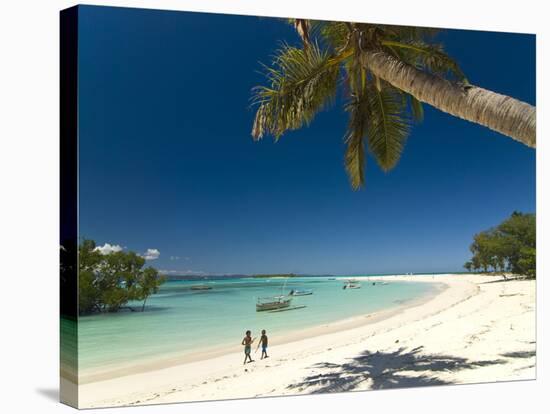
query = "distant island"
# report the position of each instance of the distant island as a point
(201, 276)
(271, 276)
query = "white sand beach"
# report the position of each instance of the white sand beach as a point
(475, 329)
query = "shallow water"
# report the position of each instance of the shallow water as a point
(181, 320)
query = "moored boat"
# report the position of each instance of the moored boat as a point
(352, 284)
(201, 287)
(303, 292)
(272, 303)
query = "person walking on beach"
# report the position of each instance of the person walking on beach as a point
(263, 342)
(247, 342)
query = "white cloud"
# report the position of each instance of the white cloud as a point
(108, 248)
(174, 257)
(151, 254)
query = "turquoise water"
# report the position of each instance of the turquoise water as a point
(180, 320)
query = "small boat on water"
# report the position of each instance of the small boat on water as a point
(352, 284)
(201, 287)
(304, 292)
(272, 303)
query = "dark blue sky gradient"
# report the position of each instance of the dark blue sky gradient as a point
(167, 161)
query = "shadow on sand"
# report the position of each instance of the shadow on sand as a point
(385, 370)
(520, 354)
(508, 279)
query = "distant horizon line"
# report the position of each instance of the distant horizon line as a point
(198, 275)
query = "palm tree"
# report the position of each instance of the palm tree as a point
(388, 71)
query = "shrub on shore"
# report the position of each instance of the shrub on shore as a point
(107, 282)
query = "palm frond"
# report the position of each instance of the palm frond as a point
(302, 82)
(355, 75)
(410, 33)
(417, 110)
(388, 125)
(355, 161)
(335, 34)
(430, 57)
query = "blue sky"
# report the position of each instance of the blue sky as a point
(167, 161)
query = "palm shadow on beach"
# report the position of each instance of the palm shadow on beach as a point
(385, 370)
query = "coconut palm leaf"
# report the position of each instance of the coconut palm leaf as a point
(302, 82)
(388, 124)
(355, 161)
(409, 33)
(417, 110)
(429, 57)
(335, 34)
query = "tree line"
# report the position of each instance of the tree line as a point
(107, 282)
(508, 247)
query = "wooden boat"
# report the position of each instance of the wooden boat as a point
(201, 287)
(273, 303)
(352, 284)
(298, 292)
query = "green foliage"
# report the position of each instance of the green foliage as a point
(527, 262)
(425, 56)
(357, 107)
(108, 282)
(303, 80)
(388, 125)
(509, 247)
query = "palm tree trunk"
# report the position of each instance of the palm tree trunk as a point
(500, 113)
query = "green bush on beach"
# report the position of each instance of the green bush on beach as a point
(509, 247)
(107, 282)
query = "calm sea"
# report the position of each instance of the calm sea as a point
(179, 320)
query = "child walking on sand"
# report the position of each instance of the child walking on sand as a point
(263, 342)
(247, 342)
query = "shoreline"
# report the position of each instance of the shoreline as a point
(473, 330)
(155, 363)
